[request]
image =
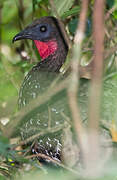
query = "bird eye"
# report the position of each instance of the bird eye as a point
(43, 28)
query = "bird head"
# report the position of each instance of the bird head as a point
(46, 34)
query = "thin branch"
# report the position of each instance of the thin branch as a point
(54, 10)
(53, 161)
(96, 84)
(30, 139)
(20, 7)
(109, 52)
(86, 71)
(97, 72)
(73, 84)
(110, 12)
(33, 9)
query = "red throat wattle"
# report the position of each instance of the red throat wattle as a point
(46, 48)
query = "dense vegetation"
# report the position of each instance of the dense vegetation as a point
(15, 62)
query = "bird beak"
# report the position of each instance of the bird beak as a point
(25, 34)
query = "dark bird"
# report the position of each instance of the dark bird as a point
(52, 47)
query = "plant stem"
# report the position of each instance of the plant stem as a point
(73, 84)
(95, 91)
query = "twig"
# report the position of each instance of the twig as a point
(45, 131)
(86, 71)
(109, 52)
(54, 10)
(53, 161)
(97, 63)
(21, 22)
(97, 72)
(73, 84)
(67, 119)
(33, 8)
(21, 10)
(110, 12)
(20, 6)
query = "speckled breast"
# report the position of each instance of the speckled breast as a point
(47, 119)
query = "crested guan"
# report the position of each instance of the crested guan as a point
(50, 43)
(49, 40)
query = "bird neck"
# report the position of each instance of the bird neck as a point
(45, 49)
(53, 56)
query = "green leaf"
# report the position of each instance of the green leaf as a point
(109, 99)
(115, 14)
(110, 3)
(38, 1)
(2, 177)
(73, 25)
(71, 12)
(63, 5)
(3, 145)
